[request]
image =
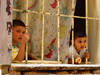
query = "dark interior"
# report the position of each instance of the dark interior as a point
(79, 24)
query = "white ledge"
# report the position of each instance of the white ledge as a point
(55, 65)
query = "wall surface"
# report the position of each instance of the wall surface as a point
(94, 31)
(5, 31)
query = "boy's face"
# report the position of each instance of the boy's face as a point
(17, 34)
(80, 43)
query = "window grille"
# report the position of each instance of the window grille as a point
(0, 70)
(58, 15)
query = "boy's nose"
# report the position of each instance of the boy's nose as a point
(83, 43)
(21, 33)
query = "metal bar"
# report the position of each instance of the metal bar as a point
(58, 43)
(72, 32)
(98, 30)
(38, 61)
(26, 31)
(42, 54)
(86, 7)
(0, 69)
(91, 18)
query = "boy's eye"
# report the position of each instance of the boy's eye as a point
(18, 31)
(23, 32)
(79, 41)
(84, 41)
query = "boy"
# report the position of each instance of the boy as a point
(79, 48)
(19, 38)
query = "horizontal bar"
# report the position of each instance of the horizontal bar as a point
(19, 10)
(38, 61)
(56, 14)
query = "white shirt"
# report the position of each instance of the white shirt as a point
(75, 54)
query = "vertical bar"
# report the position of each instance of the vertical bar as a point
(26, 29)
(0, 69)
(58, 31)
(99, 27)
(72, 31)
(42, 54)
(86, 7)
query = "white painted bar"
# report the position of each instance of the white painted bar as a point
(26, 30)
(58, 33)
(72, 32)
(42, 54)
(86, 4)
(91, 18)
(0, 70)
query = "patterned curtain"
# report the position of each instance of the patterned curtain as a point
(50, 27)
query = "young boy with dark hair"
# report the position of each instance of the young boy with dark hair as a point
(80, 52)
(19, 38)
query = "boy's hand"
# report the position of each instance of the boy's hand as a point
(78, 60)
(87, 55)
(25, 37)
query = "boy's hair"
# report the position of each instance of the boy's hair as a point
(77, 34)
(18, 23)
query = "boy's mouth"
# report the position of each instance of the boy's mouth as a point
(20, 38)
(82, 47)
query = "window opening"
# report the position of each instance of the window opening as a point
(59, 15)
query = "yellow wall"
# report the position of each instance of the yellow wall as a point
(93, 31)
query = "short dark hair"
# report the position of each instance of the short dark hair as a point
(17, 22)
(79, 34)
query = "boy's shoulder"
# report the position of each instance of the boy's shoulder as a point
(18, 44)
(13, 46)
(70, 48)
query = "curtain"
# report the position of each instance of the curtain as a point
(50, 27)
